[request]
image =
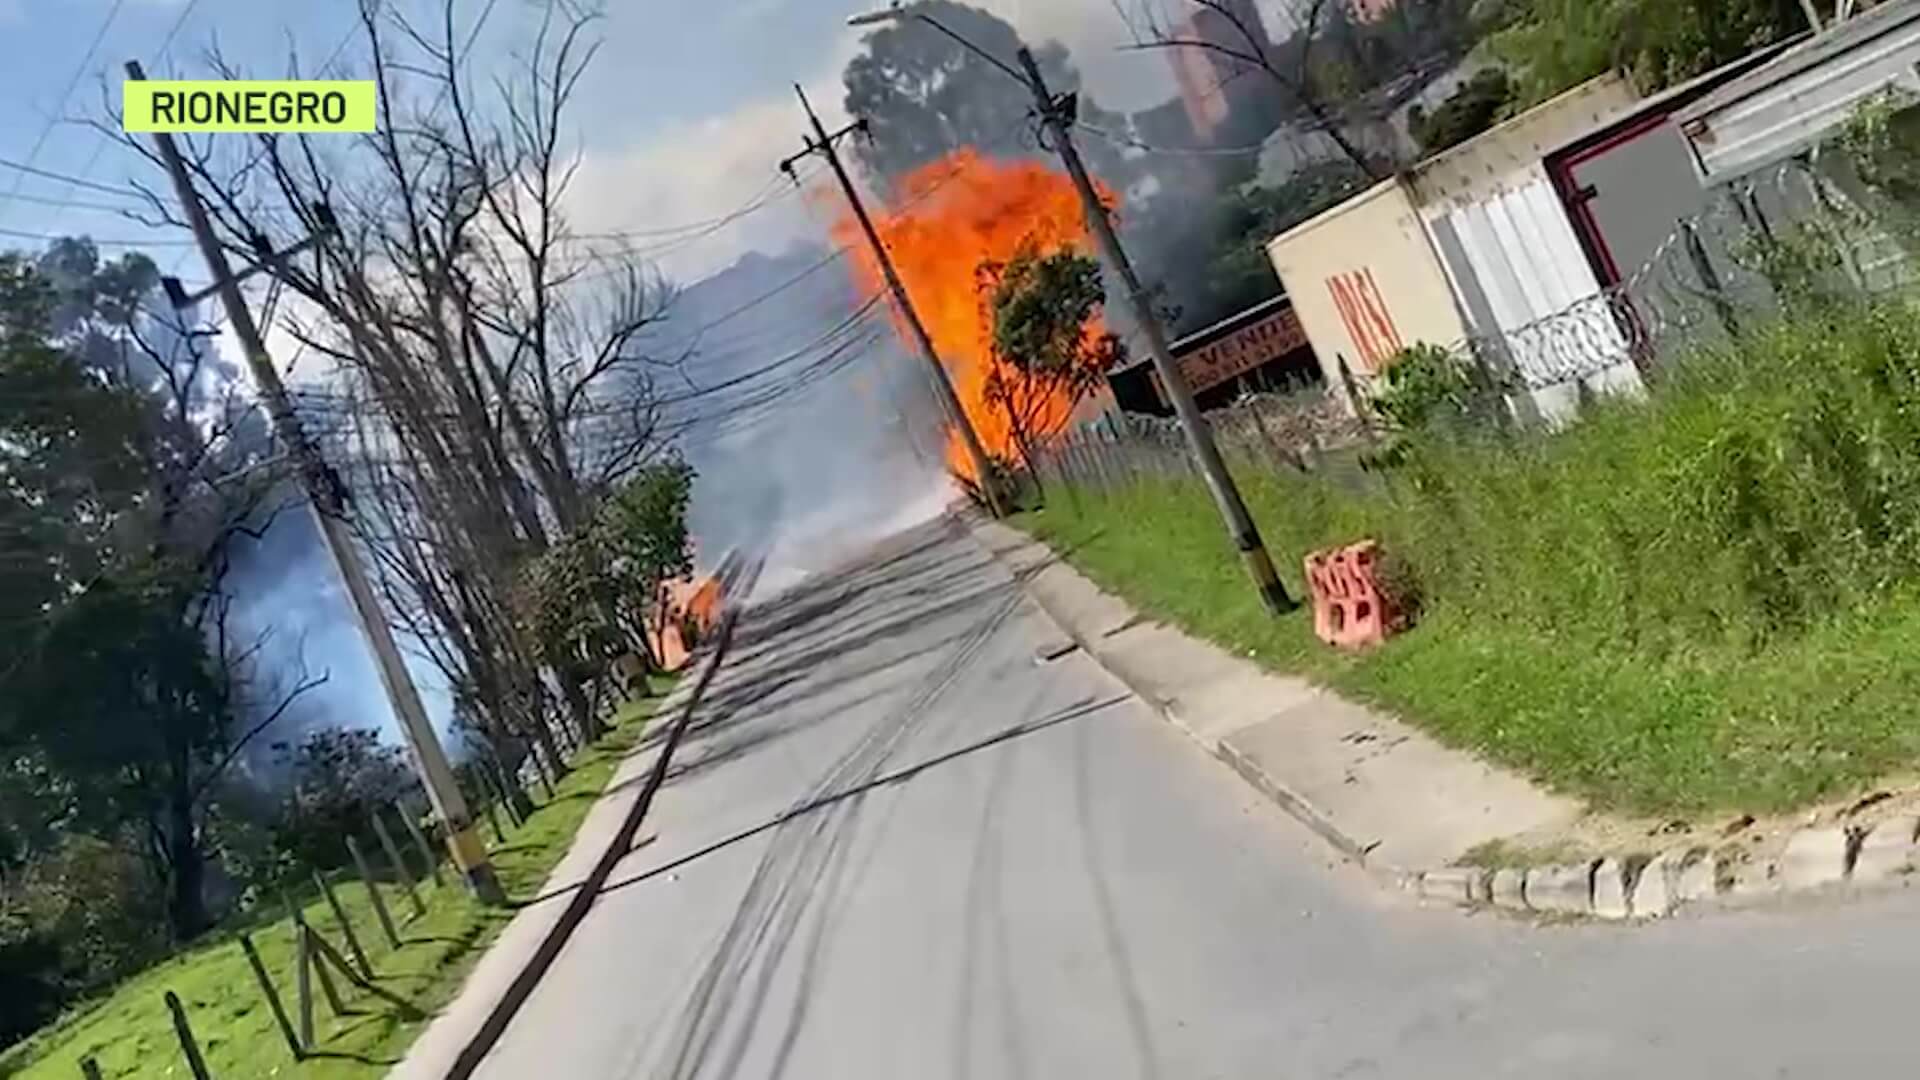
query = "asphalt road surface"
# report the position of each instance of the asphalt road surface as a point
(901, 846)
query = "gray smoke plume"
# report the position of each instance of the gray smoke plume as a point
(825, 436)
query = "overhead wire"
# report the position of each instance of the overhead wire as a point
(322, 401)
(25, 234)
(66, 95)
(100, 146)
(756, 402)
(81, 182)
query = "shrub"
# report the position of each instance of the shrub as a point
(1764, 486)
(77, 918)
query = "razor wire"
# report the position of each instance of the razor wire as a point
(1716, 274)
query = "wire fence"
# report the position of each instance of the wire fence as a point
(1279, 431)
(1804, 224)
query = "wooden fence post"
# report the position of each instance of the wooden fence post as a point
(503, 791)
(420, 841)
(326, 953)
(346, 927)
(301, 931)
(184, 1032)
(514, 788)
(273, 998)
(399, 864)
(493, 820)
(380, 913)
(303, 982)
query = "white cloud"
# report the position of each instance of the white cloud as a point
(704, 169)
(1096, 35)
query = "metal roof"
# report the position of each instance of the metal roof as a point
(1806, 92)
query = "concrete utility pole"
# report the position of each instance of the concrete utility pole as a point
(820, 142)
(1058, 114)
(327, 499)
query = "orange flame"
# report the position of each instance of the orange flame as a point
(955, 215)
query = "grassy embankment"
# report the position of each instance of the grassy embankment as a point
(1704, 601)
(129, 1032)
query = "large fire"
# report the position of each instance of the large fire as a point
(952, 217)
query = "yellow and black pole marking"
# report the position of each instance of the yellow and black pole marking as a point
(1260, 567)
(470, 859)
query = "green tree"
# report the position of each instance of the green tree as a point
(1043, 310)
(1468, 111)
(589, 596)
(1238, 273)
(72, 920)
(128, 462)
(924, 95)
(1554, 45)
(337, 778)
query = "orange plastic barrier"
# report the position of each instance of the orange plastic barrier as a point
(1350, 609)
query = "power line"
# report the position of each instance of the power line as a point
(47, 174)
(1130, 142)
(773, 191)
(74, 204)
(845, 325)
(79, 72)
(100, 147)
(50, 237)
(755, 412)
(342, 404)
(174, 30)
(812, 268)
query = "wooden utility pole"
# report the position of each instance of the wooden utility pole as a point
(326, 498)
(822, 143)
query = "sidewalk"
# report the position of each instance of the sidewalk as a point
(1379, 790)
(434, 1055)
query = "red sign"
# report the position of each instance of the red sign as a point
(1243, 350)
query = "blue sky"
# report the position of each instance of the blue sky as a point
(682, 116)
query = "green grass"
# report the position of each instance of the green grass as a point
(129, 1032)
(1707, 601)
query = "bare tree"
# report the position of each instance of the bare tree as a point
(493, 377)
(1341, 75)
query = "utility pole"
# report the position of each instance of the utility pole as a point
(1058, 115)
(820, 142)
(327, 499)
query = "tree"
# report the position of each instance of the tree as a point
(131, 477)
(338, 777)
(1467, 112)
(1049, 351)
(493, 373)
(924, 95)
(1554, 45)
(1237, 273)
(1340, 76)
(72, 920)
(589, 595)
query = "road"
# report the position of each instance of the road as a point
(901, 845)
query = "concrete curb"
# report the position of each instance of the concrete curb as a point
(1295, 804)
(1626, 886)
(587, 891)
(1641, 886)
